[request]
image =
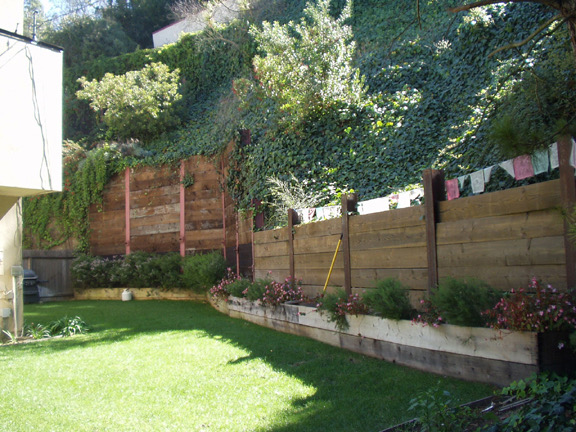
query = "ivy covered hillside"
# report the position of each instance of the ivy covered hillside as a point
(338, 96)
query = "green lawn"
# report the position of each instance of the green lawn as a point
(182, 366)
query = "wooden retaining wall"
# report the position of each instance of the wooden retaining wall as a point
(150, 209)
(476, 354)
(504, 238)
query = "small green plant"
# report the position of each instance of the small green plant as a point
(389, 299)
(36, 331)
(202, 271)
(552, 405)
(462, 301)
(437, 412)
(188, 180)
(67, 327)
(9, 336)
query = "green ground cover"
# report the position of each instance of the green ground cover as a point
(182, 366)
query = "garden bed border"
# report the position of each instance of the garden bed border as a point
(474, 354)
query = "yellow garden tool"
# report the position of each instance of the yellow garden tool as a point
(333, 261)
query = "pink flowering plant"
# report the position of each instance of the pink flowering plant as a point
(428, 314)
(277, 293)
(221, 291)
(338, 305)
(265, 291)
(541, 308)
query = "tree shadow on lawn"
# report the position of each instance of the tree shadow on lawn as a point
(353, 392)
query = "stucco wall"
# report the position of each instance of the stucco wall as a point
(10, 256)
(30, 118)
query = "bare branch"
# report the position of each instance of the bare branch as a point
(530, 37)
(397, 37)
(552, 3)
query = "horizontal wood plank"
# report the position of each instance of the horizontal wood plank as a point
(399, 258)
(412, 236)
(543, 223)
(399, 218)
(536, 197)
(527, 252)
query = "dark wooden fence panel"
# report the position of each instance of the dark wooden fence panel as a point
(53, 270)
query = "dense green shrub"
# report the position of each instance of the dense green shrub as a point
(389, 299)
(149, 270)
(238, 286)
(201, 271)
(462, 301)
(137, 104)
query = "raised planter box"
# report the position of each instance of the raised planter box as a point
(477, 354)
(138, 294)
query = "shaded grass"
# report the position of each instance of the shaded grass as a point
(182, 366)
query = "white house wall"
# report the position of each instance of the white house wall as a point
(10, 259)
(30, 118)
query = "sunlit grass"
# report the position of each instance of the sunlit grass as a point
(181, 366)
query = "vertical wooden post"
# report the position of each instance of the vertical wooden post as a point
(237, 246)
(127, 208)
(568, 199)
(223, 209)
(292, 220)
(349, 203)
(434, 191)
(257, 222)
(259, 218)
(253, 266)
(182, 210)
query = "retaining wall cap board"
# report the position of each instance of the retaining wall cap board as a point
(138, 294)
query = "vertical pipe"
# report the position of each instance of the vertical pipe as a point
(182, 211)
(127, 208)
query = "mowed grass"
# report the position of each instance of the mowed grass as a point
(182, 366)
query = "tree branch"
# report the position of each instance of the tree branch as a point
(529, 38)
(552, 3)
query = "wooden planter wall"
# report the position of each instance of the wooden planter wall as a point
(504, 238)
(149, 209)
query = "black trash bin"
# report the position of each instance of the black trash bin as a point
(31, 292)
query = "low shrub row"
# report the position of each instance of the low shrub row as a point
(144, 270)
(465, 302)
